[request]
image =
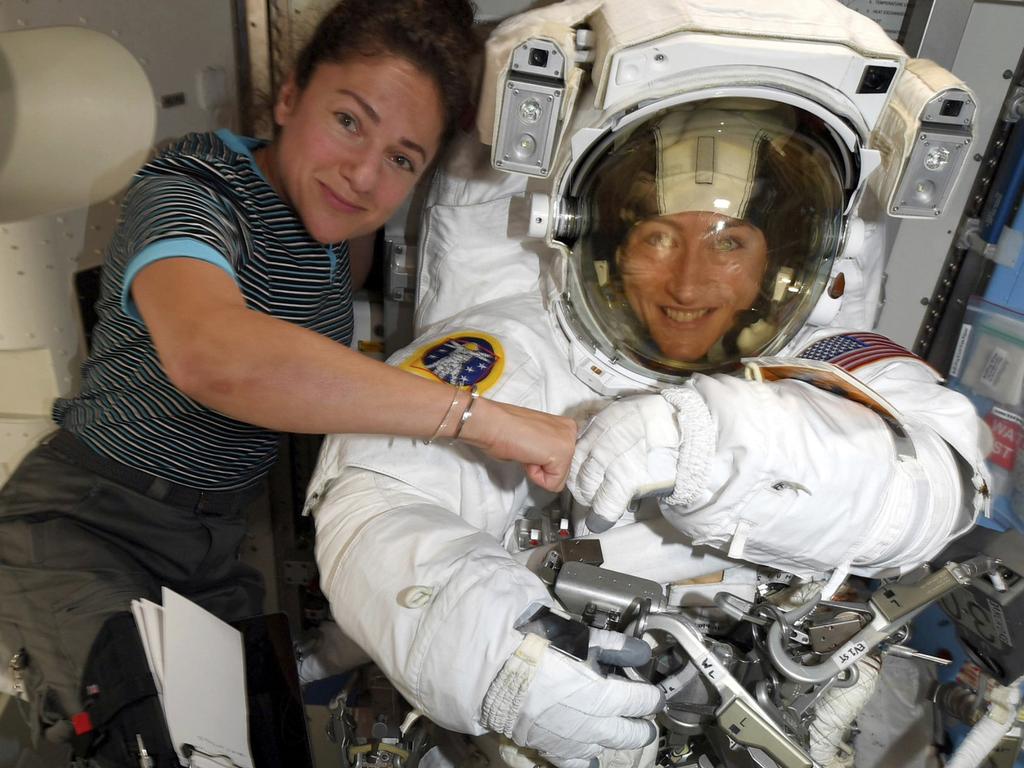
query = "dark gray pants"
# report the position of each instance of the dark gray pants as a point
(77, 547)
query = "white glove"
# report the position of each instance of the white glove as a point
(546, 700)
(638, 447)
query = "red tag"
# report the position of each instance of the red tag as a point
(82, 723)
(1006, 438)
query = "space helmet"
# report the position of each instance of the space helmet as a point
(705, 234)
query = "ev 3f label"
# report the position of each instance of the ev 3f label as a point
(850, 653)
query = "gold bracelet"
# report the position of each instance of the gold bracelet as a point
(447, 415)
(468, 413)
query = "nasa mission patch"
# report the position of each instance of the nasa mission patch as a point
(464, 358)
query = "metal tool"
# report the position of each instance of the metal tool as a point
(739, 714)
(893, 606)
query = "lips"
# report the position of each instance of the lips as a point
(338, 202)
(685, 315)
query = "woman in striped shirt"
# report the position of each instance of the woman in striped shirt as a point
(224, 319)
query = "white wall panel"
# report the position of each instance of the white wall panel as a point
(187, 49)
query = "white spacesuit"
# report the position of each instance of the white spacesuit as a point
(699, 177)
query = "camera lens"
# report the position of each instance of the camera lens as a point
(538, 57)
(951, 108)
(876, 79)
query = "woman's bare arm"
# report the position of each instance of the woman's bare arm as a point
(265, 371)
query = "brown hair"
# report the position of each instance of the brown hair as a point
(434, 35)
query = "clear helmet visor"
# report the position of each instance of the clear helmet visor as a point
(709, 231)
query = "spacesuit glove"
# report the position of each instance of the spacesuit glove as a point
(546, 700)
(641, 446)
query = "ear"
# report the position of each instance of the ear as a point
(287, 101)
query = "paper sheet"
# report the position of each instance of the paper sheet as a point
(199, 666)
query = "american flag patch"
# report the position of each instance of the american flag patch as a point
(850, 351)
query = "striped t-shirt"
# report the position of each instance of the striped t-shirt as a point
(204, 198)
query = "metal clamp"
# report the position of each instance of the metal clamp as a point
(893, 605)
(739, 715)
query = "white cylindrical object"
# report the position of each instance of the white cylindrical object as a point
(989, 731)
(78, 118)
(836, 712)
(540, 215)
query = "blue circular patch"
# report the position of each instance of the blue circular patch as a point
(462, 360)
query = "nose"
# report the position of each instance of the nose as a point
(362, 171)
(688, 279)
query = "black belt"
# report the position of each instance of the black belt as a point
(156, 488)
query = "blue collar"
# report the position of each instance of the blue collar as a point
(243, 145)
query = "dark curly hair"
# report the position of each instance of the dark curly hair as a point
(436, 36)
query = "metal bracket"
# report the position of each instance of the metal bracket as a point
(400, 279)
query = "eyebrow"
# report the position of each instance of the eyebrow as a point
(375, 119)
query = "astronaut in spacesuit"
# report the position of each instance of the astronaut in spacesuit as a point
(698, 223)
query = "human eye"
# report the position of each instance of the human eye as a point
(659, 238)
(403, 162)
(724, 243)
(347, 121)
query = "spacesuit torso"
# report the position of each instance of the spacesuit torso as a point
(415, 542)
(428, 552)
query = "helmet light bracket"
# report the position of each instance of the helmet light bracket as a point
(531, 109)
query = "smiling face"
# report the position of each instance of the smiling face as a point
(687, 275)
(353, 143)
